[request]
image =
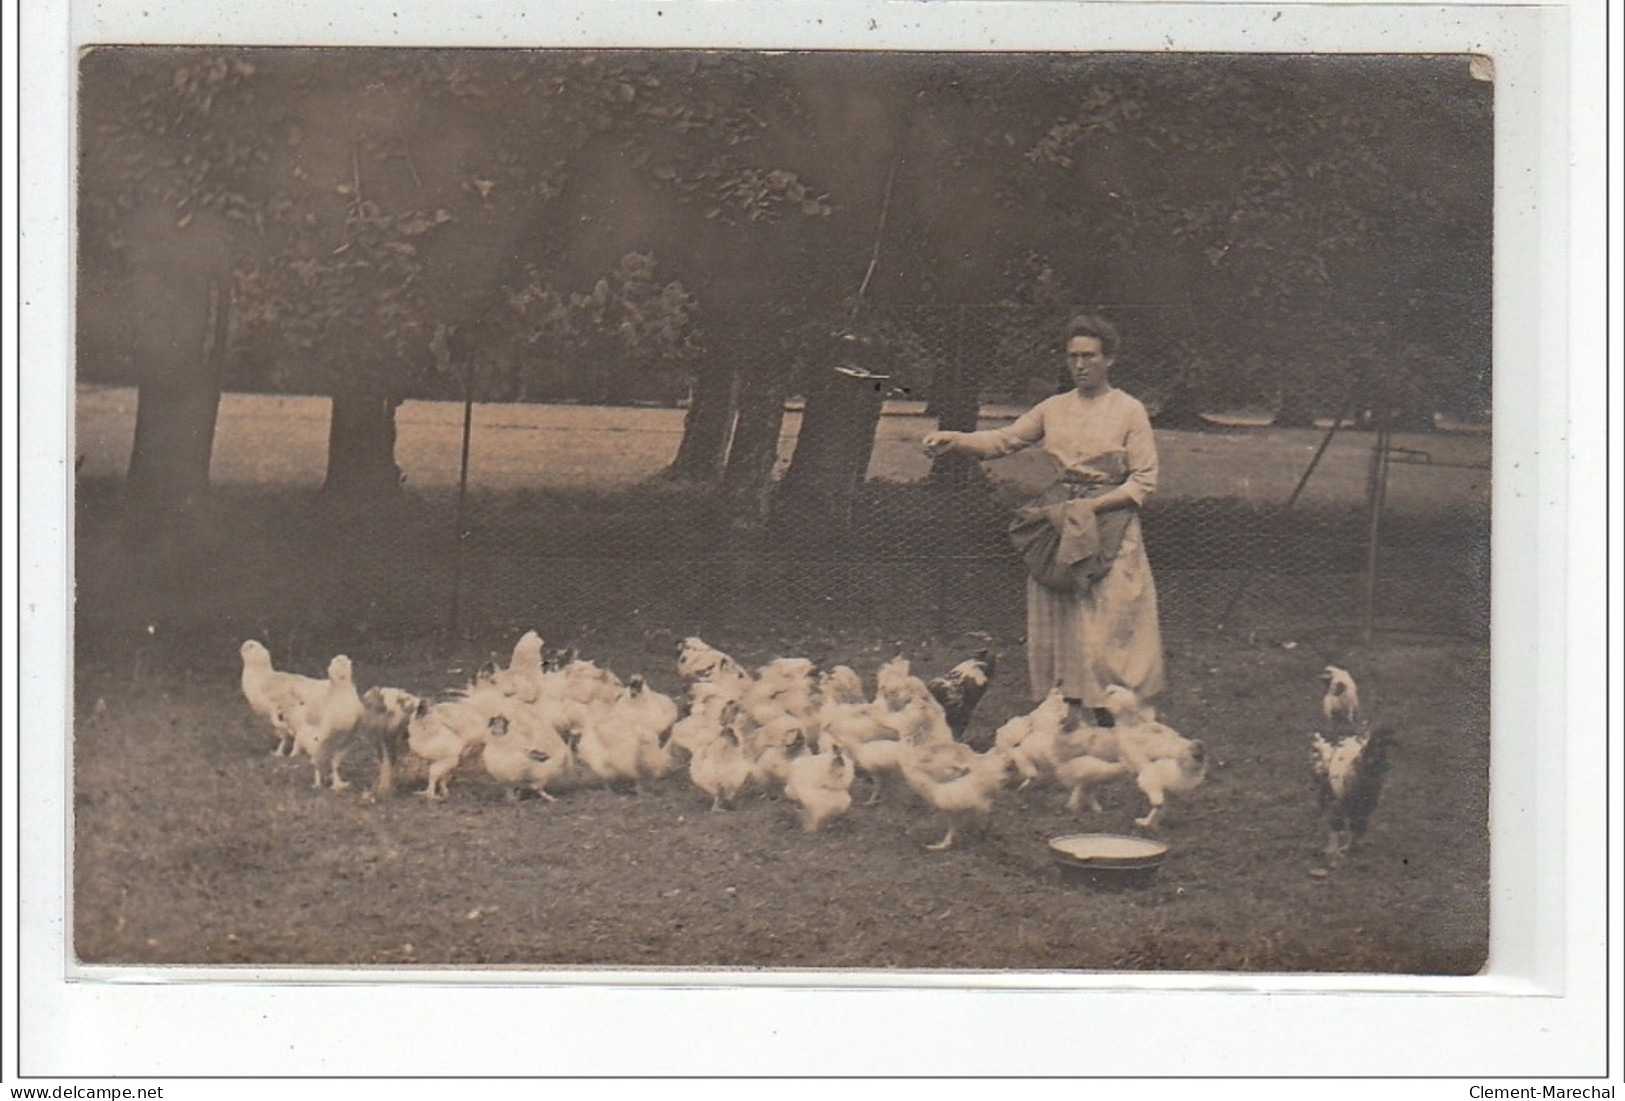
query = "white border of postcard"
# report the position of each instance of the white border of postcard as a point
(1537, 1011)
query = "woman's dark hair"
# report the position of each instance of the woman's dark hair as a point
(1088, 324)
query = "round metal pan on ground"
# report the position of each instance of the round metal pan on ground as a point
(1107, 859)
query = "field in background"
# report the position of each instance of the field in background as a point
(282, 441)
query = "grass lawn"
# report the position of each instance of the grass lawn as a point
(281, 441)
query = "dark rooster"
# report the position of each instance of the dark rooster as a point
(1349, 769)
(960, 689)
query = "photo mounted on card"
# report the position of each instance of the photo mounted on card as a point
(772, 507)
(551, 508)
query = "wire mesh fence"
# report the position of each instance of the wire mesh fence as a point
(1231, 545)
(569, 515)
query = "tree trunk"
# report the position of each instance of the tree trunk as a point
(707, 426)
(956, 387)
(361, 446)
(180, 303)
(747, 481)
(836, 440)
(956, 396)
(175, 417)
(174, 439)
(1181, 408)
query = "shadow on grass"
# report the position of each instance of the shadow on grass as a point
(903, 558)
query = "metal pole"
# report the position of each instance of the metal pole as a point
(941, 492)
(1303, 480)
(462, 497)
(1376, 493)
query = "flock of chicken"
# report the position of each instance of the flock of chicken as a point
(785, 728)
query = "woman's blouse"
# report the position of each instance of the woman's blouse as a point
(1092, 438)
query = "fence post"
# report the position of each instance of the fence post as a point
(1292, 499)
(942, 491)
(1376, 494)
(462, 499)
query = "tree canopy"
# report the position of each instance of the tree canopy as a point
(394, 219)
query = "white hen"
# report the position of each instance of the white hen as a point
(1032, 739)
(771, 749)
(697, 660)
(1342, 698)
(658, 710)
(1087, 757)
(821, 785)
(1164, 761)
(871, 736)
(721, 768)
(710, 709)
(277, 697)
(522, 679)
(908, 707)
(451, 732)
(658, 713)
(897, 686)
(329, 727)
(585, 682)
(840, 684)
(531, 752)
(783, 689)
(1079, 758)
(876, 759)
(957, 781)
(629, 738)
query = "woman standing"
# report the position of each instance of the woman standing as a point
(1095, 625)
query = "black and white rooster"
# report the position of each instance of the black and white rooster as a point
(960, 689)
(1350, 763)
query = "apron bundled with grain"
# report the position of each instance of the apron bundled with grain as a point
(1066, 545)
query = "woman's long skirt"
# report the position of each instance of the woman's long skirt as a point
(1104, 636)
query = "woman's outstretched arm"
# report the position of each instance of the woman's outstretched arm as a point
(990, 443)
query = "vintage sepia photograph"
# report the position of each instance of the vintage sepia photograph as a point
(901, 539)
(799, 509)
